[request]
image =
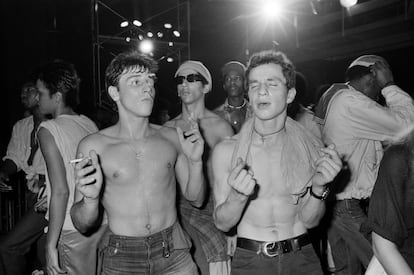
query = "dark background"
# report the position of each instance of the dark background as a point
(321, 42)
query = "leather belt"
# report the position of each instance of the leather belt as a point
(273, 249)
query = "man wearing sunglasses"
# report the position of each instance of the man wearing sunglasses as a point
(236, 109)
(194, 81)
(270, 179)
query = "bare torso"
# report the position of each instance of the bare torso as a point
(140, 186)
(272, 215)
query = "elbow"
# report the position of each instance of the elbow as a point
(221, 225)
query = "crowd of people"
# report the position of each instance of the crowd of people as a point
(234, 190)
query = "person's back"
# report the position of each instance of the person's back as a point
(68, 131)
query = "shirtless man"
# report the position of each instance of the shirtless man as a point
(131, 170)
(193, 83)
(270, 179)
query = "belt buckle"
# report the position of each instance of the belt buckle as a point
(269, 249)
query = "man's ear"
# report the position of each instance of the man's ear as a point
(290, 95)
(113, 93)
(207, 88)
(58, 96)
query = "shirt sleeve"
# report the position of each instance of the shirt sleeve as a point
(372, 121)
(16, 149)
(386, 209)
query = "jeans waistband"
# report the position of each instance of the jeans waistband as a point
(159, 243)
(273, 249)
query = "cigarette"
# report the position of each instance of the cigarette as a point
(73, 161)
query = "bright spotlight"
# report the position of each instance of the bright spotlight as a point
(272, 9)
(124, 24)
(170, 59)
(167, 26)
(146, 46)
(150, 34)
(140, 37)
(137, 23)
(160, 34)
(127, 39)
(176, 33)
(170, 44)
(348, 3)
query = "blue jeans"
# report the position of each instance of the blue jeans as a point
(304, 261)
(154, 254)
(350, 248)
(15, 245)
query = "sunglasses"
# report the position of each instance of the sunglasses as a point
(190, 78)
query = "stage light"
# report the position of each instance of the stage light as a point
(150, 34)
(272, 9)
(140, 37)
(176, 33)
(167, 26)
(146, 46)
(124, 24)
(160, 34)
(348, 3)
(128, 39)
(170, 59)
(170, 44)
(137, 23)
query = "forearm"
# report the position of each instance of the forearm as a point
(312, 209)
(196, 186)
(57, 214)
(389, 256)
(229, 213)
(85, 215)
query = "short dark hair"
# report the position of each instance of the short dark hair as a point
(273, 57)
(356, 72)
(128, 61)
(61, 76)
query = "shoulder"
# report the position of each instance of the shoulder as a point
(220, 124)
(225, 147)
(95, 140)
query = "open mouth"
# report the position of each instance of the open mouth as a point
(263, 105)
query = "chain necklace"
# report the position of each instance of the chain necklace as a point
(140, 151)
(264, 136)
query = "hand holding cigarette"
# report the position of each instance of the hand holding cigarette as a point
(88, 175)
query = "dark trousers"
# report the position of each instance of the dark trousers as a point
(16, 244)
(304, 261)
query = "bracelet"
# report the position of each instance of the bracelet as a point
(389, 83)
(321, 197)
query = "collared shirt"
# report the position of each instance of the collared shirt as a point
(358, 126)
(236, 116)
(19, 149)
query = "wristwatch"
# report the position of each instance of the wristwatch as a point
(321, 197)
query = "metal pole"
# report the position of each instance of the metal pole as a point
(188, 30)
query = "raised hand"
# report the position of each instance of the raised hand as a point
(382, 73)
(327, 166)
(191, 142)
(241, 179)
(88, 176)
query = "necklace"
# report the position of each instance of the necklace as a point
(138, 152)
(235, 107)
(264, 136)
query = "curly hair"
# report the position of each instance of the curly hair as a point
(273, 57)
(128, 61)
(61, 76)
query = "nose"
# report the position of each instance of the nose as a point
(263, 89)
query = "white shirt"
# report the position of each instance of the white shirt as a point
(357, 125)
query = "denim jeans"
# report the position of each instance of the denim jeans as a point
(351, 250)
(304, 261)
(78, 254)
(154, 254)
(15, 245)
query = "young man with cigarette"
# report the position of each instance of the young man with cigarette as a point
(133, 173)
